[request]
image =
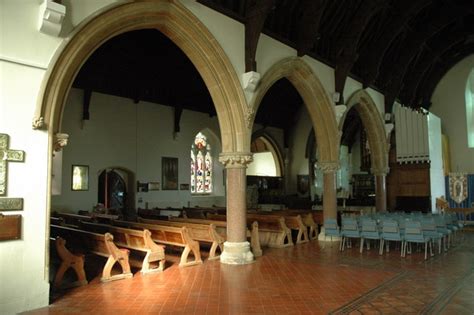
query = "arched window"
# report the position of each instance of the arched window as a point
(201, 165)
(470, 109)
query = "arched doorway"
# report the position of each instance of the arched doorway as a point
(116, 191)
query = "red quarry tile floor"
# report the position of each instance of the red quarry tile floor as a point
(311, 278)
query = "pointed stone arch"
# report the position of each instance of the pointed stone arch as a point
(375, 127)
(179, 25)
(317, 102)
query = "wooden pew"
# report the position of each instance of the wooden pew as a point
(168, 235)
(57, 221)
(272, 231)
(197, 212)
(293, 221)
(67, 260)
(198, 231)
(98, 244)
(159, 214)
(221, 229)
(138, 241)
(71, 219)
(307, 216)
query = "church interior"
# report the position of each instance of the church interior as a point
(237, 157)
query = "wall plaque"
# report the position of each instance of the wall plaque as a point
(11, 204)
(10, 227)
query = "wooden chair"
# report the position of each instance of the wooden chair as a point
(97, 244)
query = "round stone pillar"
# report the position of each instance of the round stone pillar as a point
(380, 189)
(236, 248)
(329, 188)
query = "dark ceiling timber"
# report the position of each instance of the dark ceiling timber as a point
(439, 69)
(345, 47)
(432, 52)
(394, 70)
(308, 27)
(257, 12)
(381, 42)
(371, 55)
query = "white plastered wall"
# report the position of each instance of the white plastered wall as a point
(449, 104)
(437, 183)
(133, 136)
(24, 56)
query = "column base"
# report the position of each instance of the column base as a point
(237, 253)
(322, 237)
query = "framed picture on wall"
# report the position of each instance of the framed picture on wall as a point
(80, 177)
(169, 173)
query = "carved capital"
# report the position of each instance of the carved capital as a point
(60, 141)
(380, 171)
(38, 123)
(328, 167)
(249, 114)
(236, 159)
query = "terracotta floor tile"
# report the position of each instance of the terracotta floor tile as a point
(311, 278)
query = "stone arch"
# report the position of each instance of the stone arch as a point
(318, 104)
(375, 127)
(275, 149)
(178, 24)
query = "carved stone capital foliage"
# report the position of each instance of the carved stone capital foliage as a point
(249, 116)
(38, 123)
(236, 159)
(328, 167)
(60, 141)
(380, 171)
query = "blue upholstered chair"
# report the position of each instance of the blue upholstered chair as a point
(350, 230)
(391, 232)
(414, 234)
(442, 228)
(369, 231)
(429, 229)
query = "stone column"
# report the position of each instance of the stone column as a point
(380, 189)
(236, 248)
(329, 188)
(286, 171)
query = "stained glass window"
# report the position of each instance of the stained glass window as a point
(201, 165)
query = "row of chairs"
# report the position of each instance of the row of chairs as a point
(406, 229)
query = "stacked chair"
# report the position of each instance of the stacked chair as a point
(426, 230)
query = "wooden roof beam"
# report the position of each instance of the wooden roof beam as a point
(396, 72)
(254, 22)
(437, 72)
(403, 12)
(431, 55)
(346, 46)
(308, 26)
